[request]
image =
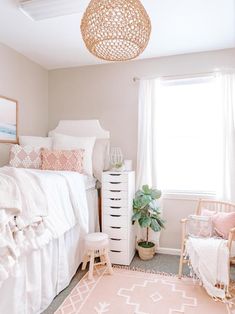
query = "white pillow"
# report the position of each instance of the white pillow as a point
(66, 142)
(36, 141)
(100, 159)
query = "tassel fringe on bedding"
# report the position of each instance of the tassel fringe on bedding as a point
(34, 208)
(19, 241)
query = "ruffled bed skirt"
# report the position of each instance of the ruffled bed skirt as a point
(40, 274)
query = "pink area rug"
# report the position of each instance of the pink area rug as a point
(134, 292)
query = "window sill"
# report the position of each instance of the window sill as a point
(186, 196)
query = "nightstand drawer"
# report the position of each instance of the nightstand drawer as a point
(118, 244)
(116, 210)
(118, 257)
(112, 202)
(115, 194)
(118, 190)
(115, 186)
(115, 177)
(115, 220)
(116, 232)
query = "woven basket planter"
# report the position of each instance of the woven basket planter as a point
(146, 253)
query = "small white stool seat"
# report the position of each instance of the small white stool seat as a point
(96, 245)
(97, 239)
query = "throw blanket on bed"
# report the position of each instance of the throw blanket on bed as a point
(35, 206)
(24, 188)
(209, 260)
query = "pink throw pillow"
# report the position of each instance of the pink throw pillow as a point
(25, 157)
(62, 160)
(222, 222)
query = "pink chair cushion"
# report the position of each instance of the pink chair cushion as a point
(222, 222)
(63, 160)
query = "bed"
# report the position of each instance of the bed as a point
(43, 272)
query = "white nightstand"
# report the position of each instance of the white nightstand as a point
(118, 189)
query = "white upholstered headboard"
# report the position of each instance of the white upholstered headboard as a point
(82, 128)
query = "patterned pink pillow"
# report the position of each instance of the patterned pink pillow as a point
(25, 157)
(67, 160)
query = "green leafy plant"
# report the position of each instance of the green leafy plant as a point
(147, 212)
(118, 165)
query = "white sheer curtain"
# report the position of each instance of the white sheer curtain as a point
(149, 93)
(226, 184)
(146, 155)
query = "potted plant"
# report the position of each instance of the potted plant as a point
(147, 213)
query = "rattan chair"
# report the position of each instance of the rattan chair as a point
(217, 206)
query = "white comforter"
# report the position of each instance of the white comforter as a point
(35, 206)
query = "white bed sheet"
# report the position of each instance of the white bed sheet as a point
(43, 273)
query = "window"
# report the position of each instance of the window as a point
(187, 135)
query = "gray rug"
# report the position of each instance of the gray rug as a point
(160, 263)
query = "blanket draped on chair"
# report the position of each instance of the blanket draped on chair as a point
(209, 259)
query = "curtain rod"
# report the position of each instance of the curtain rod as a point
(181, 76)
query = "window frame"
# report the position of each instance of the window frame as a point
(188, 194)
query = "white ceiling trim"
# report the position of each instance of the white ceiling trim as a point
(41, 9)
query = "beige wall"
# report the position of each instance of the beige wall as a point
(108, 93)
(27, 82)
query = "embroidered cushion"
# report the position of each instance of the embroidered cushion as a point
(25, 157)
(207, 212)
(199, 226)
(63, 160)
(67, 142)
(222, 222)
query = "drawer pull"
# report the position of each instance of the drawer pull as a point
(115, 191)
(115, 199)
(115, 207)
(115, 182)
(115, 251)
(115, 174)
(115, 227)
(113, 239)
(115, 215)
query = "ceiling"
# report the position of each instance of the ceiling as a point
(178, 27)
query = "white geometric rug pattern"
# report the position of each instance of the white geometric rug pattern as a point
(156, 296)
(134, 292)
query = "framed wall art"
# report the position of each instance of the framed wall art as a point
(8, 120)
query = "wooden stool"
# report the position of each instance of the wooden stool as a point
(96, 245)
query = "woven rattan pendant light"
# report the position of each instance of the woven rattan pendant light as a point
(116, 30)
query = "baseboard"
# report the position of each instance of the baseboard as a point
(166, 250)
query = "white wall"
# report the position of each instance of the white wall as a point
(27, 82)
(108, 93)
